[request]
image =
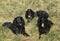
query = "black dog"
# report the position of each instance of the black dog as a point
(17, 27)
(19, 22)
(41, 13)
(43, 23)
(29, 15)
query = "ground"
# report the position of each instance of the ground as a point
(9, 9)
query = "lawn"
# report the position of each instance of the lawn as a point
(9, 9)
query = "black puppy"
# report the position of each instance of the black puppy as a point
(41, 13)
(19, 22)
(29, 15)
(43, 23)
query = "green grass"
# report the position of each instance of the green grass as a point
(9, 9)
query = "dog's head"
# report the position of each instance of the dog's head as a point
(29, 15)
(19, 21)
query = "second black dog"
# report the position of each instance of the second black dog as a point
(41, 13)
(29, 15)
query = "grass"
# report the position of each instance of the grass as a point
(9, 9)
